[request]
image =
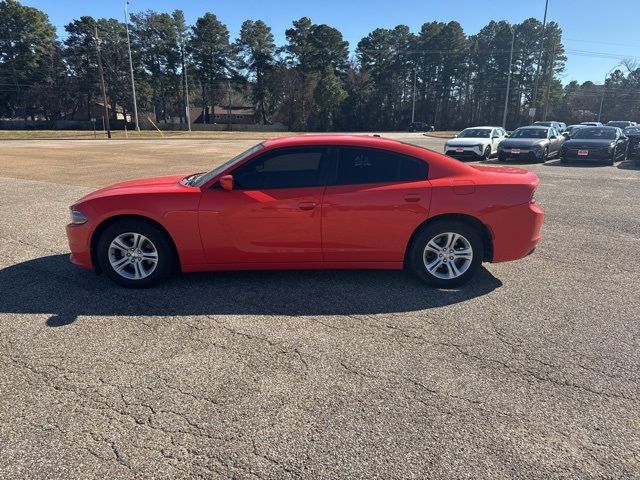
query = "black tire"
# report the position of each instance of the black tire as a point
(157, 238)
(502, 158)
(545, 154)
(430, 233)
(612, 161)
(487, 153)
(563, 160)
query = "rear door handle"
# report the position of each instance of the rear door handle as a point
(411, 198)
(307, 205)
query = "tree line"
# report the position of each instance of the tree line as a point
(438, 75)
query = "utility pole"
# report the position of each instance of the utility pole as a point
(229, 103)
(506, 95)
(105, 112)
(133, 83)
(534, 99)
(551, 65)
(186, 87)
(413, 106)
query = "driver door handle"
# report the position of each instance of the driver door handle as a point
(307, 205)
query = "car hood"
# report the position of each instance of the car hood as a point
(522, 142)
(466, 142)
(162, 184)
(587, 143)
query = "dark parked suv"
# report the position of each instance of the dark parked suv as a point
(420, 127)
(633, 147)
(621, 124)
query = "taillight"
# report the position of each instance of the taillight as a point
(533, 196)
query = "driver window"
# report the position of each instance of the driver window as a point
(286, 168)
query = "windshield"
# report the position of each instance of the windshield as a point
(475, 133)
(202, 179)
(618, 124)
(596, 133)
(530, 133)
(544, 124)
(632, 130)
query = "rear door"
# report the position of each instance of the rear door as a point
(373, 203)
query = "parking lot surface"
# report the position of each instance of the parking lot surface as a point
(530, 371)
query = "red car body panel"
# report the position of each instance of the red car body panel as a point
(337, 226)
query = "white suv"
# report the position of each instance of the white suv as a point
(475, 142)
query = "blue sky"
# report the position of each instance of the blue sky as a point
(597, 35)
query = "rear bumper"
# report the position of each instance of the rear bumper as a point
(79, 237)
(516, 231)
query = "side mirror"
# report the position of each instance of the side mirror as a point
(226, 182)
(566, 135)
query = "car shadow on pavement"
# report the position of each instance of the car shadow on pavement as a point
(52, 286)
(630, 164)
(573, 163)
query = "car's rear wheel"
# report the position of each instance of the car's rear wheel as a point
(487, 153)
(446, 254)
(135, 254)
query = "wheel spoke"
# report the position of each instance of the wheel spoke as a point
(467, 253)
(120, 263)
(433, 266)
(454, 268)
(138, 274)
(136, 240)
(450, 270)
(120, 245)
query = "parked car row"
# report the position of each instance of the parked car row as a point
(545, 140)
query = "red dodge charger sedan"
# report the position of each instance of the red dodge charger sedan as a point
(312, 202)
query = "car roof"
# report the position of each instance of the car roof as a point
(536, 127)
(482, 126)
(332, 139)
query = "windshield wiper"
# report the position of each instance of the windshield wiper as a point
(191, 179)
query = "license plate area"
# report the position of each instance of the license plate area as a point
(583, 153)
(515, 151)
(459, 150)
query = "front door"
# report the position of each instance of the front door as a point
(373, 204)
(272, 215)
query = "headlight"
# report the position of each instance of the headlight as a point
(78, 218)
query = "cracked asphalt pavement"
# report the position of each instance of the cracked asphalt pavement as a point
(530, 371)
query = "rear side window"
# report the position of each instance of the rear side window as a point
(369, 165)
(286, 168)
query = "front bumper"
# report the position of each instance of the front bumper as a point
(464, 153)
(523, 154)
(79, 238)
(599, 155)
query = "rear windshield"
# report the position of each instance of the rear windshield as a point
(530, 133)
(596, 133)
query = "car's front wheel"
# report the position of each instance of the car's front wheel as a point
(487, 152)
(135, 254)
(446, 254)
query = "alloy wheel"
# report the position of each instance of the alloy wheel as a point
(448, 255)
(133, 256)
